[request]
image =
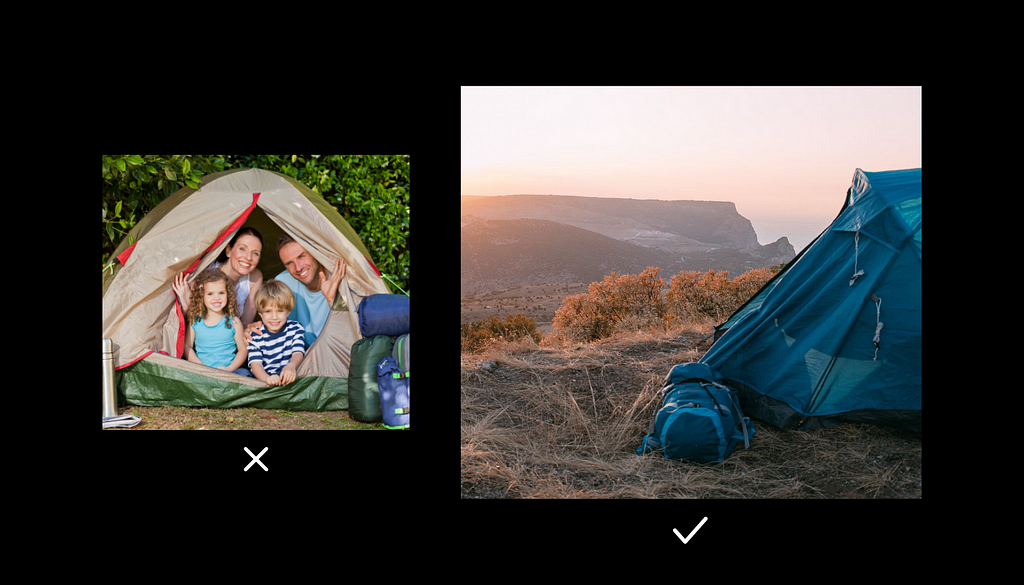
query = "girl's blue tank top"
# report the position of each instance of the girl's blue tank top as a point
(215, 346)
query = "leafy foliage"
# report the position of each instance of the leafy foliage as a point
(135, 184)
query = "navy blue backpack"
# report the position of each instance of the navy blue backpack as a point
(699, 419)
(394, 393)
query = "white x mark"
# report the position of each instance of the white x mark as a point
(256, 458)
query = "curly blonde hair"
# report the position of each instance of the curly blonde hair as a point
(196, 306)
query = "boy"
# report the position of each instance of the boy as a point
(276, 350)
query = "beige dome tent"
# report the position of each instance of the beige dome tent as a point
(185, 233)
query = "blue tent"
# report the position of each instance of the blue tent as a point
(836, 335)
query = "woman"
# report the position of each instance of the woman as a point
(238, 261)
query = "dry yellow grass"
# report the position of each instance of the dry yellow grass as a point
(565, 423)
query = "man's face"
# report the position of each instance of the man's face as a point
(299, 263)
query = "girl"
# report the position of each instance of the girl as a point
(214, 324)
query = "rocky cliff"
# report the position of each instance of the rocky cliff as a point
(668, 225)
(525, 239)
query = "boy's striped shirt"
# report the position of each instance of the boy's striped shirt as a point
(275, 350)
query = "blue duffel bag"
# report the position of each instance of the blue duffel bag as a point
(384, 315)
(699, 419)
(394, 393)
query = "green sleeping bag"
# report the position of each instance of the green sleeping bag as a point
(363, 395)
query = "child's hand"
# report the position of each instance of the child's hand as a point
(274, 380)
(287, 375)
(183, 289)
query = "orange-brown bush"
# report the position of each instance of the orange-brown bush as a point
(633, 298)
(479, 333)
(712, 293)
(635, 302)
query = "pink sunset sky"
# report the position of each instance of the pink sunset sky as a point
(784, 155)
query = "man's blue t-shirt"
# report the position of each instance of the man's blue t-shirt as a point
(311, 310)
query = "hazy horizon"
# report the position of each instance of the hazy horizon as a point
(799, 232)
(784, 155)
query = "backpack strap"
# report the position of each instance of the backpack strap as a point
(743, 420)
(734, 398)
(661, 402)
(718, 407)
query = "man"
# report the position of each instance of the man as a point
(313, 289)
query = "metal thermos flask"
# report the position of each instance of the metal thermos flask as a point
(109, 394)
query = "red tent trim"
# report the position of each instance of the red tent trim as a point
(180, 345)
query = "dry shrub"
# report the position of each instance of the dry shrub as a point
(633, 302)
(622, 302)
(712, 294)
(477, 335)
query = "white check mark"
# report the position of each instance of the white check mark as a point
(686, 539)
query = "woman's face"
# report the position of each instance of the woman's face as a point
(245, 255)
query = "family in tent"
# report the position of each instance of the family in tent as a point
(235, 321)
(302, 285)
